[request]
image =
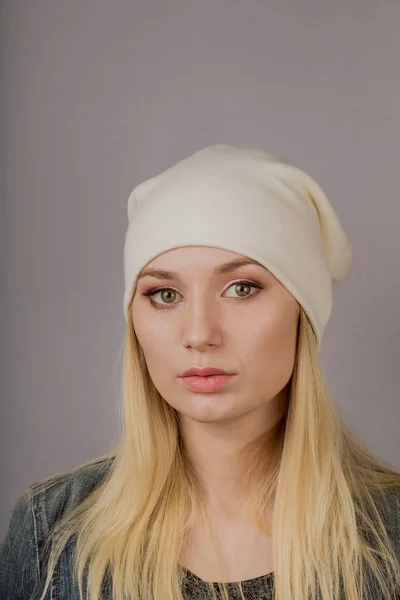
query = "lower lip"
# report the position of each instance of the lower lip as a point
(211, 383)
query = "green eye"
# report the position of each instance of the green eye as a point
(164, 295)
(242, 289)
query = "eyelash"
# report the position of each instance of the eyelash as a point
(155, 291)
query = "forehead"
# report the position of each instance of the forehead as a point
(187, 259)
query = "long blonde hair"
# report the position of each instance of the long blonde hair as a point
(325, 485)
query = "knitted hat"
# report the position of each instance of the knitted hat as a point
(250, 202)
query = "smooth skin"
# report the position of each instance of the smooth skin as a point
(242, 320)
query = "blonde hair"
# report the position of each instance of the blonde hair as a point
(326, 487)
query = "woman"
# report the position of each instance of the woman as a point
(235, 472)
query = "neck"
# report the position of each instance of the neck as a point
(216, 453)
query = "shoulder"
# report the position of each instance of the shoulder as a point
(387, 505)
(391, 517)
(61, 493)
(389, 508)
(19, 558)
(33, 514)
(387, 512)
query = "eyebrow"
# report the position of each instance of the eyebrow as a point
(219, 270)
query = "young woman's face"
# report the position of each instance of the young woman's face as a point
(242, 320)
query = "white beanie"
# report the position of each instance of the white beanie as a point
(252, 203)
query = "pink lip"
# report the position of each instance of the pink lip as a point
(209, 383)
(202, 372)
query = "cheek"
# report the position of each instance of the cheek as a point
(271, 348)
(149, 331)
(157, 364)
(156, 349)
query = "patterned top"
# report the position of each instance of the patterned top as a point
(259, 588)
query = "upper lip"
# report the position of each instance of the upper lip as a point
(202, 372)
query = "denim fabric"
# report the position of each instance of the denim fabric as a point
(23, 564)
(22, 561)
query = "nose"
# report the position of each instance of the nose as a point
(201, 324)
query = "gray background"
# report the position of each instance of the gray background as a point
(96, 96)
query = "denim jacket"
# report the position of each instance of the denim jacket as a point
(22, 567)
